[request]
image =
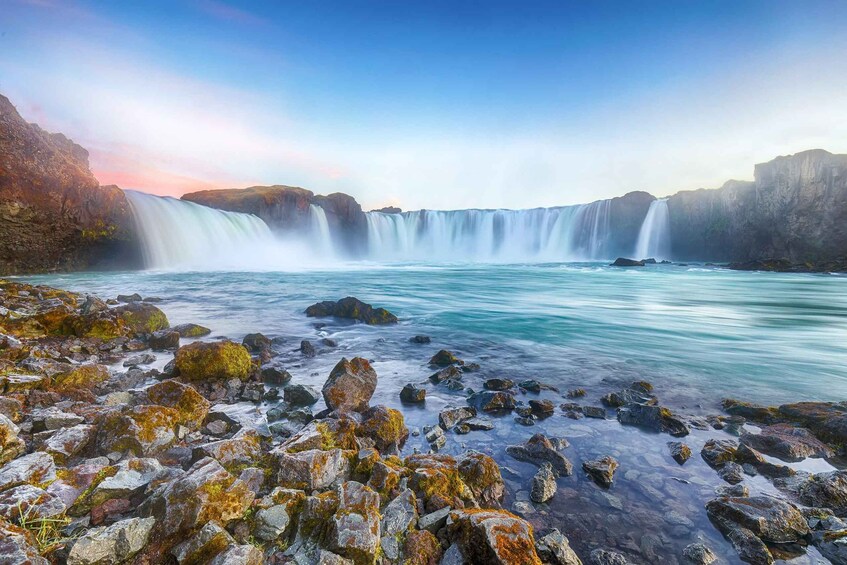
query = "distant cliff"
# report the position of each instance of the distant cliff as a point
(54, 216)
(796, 208)
(286, 209)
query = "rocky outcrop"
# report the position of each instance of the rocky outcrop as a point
(287, 209)
(54, 215)
(796, 208)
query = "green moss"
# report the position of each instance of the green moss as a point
(214, 360)
(143, 318)
(80, 377)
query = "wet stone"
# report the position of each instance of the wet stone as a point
(543, 484)
(699, 554)
(498, 384)
(679, 451)
(413, 394)
(301, 395)
(539, 449)
(601, 470)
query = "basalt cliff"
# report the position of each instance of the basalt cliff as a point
(54, 215)
(796, 208)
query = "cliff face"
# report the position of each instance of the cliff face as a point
(54, 216)
(795, 208)
(626, 214)
(286, 209)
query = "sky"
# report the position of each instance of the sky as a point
(431, 104)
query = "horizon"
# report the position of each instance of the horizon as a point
(443, 106)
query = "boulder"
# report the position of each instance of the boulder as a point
(213, 360)
(399, 517)
(30, 502)
(554, 548)
(239, 555)
(205, 493)
(65, 443)
(190, 406)
(422, 548)
(601, 470)
(448, 374)
(498, 384)
(35, 468)
(350, 385)
(826, 490)
(143, 430)
(142, 318)
(492, 401)
(444, 358)
(354, 529)
(770, 519)
(731, 472)
(385, 427)
(699, 554)
(624, 262)
(493, 536)
(352, 309)
(117, 543)
(307, 348)
(413, 394)
(84, 377)
(481, 475)
(256, 343)
(543, 484)
(717, 452)
(539, 449)
(276, 375)
(191, 330)
(163, 340)
(679, 451)
(207, 543)
(11, 446)
(787, 442)
(656, 418)
(300, 395)
(241, 449)
(450, 417)
(311, 469)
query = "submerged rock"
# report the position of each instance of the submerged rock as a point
(554, 548)
(492, 401)
(699, 554)
(679, 451)
(353, 309)
(787, 442)
(350, 385)
(601, 470)
(655, 418)
(540, 449)
(770, 519)
(543, 484)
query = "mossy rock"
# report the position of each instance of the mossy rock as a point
(191, 330)
(81, 377)
(191, 407)
(421, 548)
(213, 360)
(143, 318)
(493, 536)
(385, 426)
(482, 475)
(144, 430)
(102, 326)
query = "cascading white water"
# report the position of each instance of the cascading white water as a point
(319, 226)
(543, 234)
(655, 234)
(180, 235)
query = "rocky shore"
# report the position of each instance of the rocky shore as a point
(126, 439)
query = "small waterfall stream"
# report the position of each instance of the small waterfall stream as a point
(654, 239)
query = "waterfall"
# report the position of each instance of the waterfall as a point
(320, 230)
(654, 236)
(570, 233)
(181, 235)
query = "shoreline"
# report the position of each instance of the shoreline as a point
(102, 416)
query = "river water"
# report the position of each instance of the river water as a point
(698, 333)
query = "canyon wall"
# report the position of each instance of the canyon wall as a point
(54, 215)
(796, 208)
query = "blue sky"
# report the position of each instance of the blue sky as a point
(431, 104)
